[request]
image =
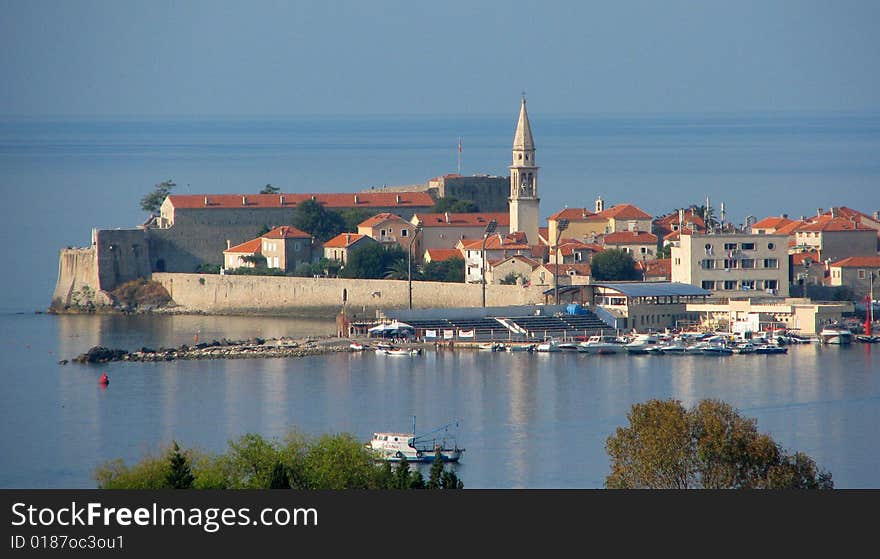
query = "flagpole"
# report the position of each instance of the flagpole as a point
(459, 155)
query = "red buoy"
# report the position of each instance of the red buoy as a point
(104, 379)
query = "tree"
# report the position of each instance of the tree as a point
(454, 205)
(437, 468)
(451, 270)
(352, 217)
(339, 462)
(180, 476)
(664, 251)
(269, 189)
(152, 202)
(250, 462)
(710, 446)
(314, 219)
(279, 478)
(400, 269)
(510, 279)
(614, 265)
(372, 261)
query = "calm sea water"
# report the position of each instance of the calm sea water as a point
(535, 421)
(58, 179)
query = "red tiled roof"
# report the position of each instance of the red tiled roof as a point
(790, 228)
(659, 268)
(344, 240)
(833, 224)
(797, 259)
(462, 219)
(442, 254)
(251, 247)
(361, 199)
(772, 223)
(850, 213)
(563, 269)
(664, 224)
(624, 211)
(511, 241)
(573, 214)
(530, 261)
(286, 232)
(858, 262)
(630, 238)
(381, 218)
(676, 234)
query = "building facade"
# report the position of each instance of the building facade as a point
(524, 201)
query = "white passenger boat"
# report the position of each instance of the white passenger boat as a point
(644, 343)
(833, 335)
(548, 346)
(394, 446)
(491, 347)
(521, 347)
(601, 345)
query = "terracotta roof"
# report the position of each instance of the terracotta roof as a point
(574, 214)
(790, 228)
(344, 240)
(629, 238)
(664, 224)
(797, 259)
(462, 220)
(858, 262)
(286, 232)
(772, 223)
(833, 224)
(659, 268)
(359, 200)
(569, 248)
(624, 211)
(253, 246)
(511, 241)
(442, 254)
(563, 269)
(381, 218)
(849, 213)
(530, 261)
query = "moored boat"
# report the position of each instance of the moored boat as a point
(394, 447)
(836, 336)
(520, 347)
(602, 345)
(644, 343)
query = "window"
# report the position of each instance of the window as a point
(678, 261)
(729, 285)
(747, 263)
(296, 246)
(771, 284)
(747, 284)
(708, 285)
(644, 250)
(382, 233)
(729, 246)
(730, 263)
(771, 263)
(707, 264)
(404, 232)
(862, 274)
(771, 246)
(748, 246)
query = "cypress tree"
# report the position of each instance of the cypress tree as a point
(436, 471)
(181, 475)
(279, 478)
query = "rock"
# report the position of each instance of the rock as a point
(63, 362)
(99, 354)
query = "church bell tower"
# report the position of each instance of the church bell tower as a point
(524, 199)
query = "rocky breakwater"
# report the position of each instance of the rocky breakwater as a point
(222, 349)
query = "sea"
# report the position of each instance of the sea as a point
(526, 420)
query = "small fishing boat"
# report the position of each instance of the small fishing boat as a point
(355, 346)
(868, 339)
(770, 349)
(491, 347)
(398, 352)
(548, 346)
(394, 447)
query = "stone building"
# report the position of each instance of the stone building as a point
(445, 230)
(283, 248)
(859, 273)
(342, 245)
(388, 228)
(524, 202)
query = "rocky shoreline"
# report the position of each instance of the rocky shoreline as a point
(218, 349)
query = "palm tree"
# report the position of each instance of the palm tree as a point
(399, 270)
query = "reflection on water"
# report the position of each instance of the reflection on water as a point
(526, 420)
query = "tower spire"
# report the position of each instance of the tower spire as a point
(522, 138)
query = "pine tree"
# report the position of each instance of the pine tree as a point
(436, 471)
(450, 481)
(402, 474)
(180, 476)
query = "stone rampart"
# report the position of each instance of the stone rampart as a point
(284, 295)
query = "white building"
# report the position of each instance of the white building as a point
(733, 264)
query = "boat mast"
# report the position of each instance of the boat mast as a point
(869, 307)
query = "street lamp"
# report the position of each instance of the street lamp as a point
(561, 226)
(412, 241)
(806, 274)
(490, 228)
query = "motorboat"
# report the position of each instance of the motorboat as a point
(709, 348)
(743, 348)
(567, 346)
(601, 345)
(395, 446)
(868, 339)
(644, 343)
(770, 349)
(548, 346)
(520, 347)
(835, 335)
(398, 352)
(674, 348)
(491, 347)
(355, 346)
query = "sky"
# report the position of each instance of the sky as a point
(220, 58)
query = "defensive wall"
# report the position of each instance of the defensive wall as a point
(232, 294)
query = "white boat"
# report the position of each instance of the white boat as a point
(394, 447)
(491, 347)
(838, 336)
(355, 346)
(567, 346)
(398, 352)
(521, 347)
(674, 347)
(644, 343)
(709, 348)
(548, 346)
(601, 345)
(744, 348)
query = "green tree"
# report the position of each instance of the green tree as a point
(314, 219)
(352, 217)
(449, 480)
(339, 462)
(153, 201)
(269, 189)
(510, 279)
(614, 265)
(180, 475)
(451, 270)
(664, 251)
(435, 478)
(455, 205)
(399, 270)
(250, 462)
(710, 446)
(372, 261)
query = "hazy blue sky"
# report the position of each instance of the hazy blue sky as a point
(151, 58)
